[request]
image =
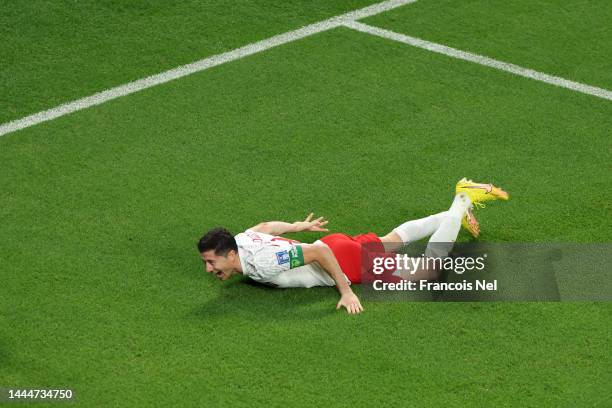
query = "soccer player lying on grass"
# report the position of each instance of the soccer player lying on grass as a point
(335, 260)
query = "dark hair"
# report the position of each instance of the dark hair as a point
(219, 239)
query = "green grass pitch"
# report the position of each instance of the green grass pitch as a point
(102, 290)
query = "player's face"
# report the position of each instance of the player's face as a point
(219, 265)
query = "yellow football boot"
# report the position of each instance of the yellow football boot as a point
(480, 192)
(470, 223)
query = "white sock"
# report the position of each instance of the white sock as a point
(441, 242)
(414, 230)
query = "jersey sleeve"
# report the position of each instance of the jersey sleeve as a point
(271, 261)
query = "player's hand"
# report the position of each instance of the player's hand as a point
(351, 302)
(312, 225)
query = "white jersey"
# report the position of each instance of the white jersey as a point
(278, 261)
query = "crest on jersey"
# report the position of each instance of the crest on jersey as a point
(282, 257)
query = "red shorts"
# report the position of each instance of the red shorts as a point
(349, 252)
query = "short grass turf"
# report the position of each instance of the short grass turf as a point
(571, 39)
(54, 51)
(103, 291)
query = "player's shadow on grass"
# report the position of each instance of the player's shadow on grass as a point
(244, 297)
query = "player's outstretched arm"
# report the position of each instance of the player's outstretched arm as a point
(325, 257)
(281, 227)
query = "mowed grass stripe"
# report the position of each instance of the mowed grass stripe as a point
(571, 39)
(103, 289)
(201, 65)
(57, 51)
(482, 60)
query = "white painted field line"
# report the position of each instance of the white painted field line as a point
(479, 59)
(201, 65)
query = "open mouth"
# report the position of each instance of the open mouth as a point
(219, 274)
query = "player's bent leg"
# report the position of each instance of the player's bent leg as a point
(442, 241)
(420, 269)
(412, 231)
(440, 244)
(392, 242)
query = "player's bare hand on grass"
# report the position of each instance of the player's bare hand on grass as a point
(351, 302)
(312, 225)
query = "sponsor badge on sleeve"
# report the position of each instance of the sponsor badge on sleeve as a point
(296, 256)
